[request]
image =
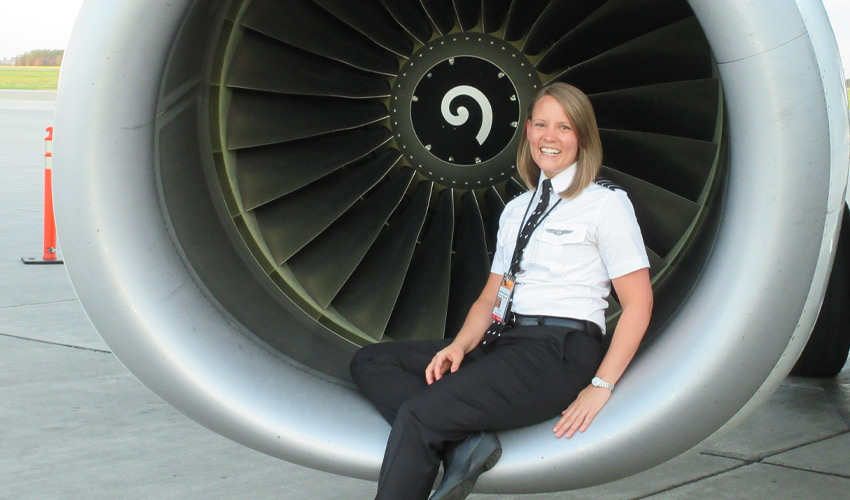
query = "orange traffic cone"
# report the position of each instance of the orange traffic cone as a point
(49, 256)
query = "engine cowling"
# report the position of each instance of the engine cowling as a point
(248, 190)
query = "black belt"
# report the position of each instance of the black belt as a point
(588, 327)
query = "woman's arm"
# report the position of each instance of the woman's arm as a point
(479, 318)
(635, 293)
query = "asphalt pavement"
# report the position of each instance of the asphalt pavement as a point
(74, 423)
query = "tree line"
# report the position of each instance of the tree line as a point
(41, 57)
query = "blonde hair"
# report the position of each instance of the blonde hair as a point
(578, 109)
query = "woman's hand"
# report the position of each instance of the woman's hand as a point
(581, 413)
(447, 359)
(635, 293)
(479, 318)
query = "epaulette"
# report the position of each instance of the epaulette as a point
(608, 184)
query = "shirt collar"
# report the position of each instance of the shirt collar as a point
(561, 181)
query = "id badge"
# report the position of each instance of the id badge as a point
(502, 299)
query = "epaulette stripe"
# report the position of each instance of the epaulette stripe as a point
(608, 184)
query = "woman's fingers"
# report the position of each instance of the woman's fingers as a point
(579, 415)
(570, 422)
(447, 359)
(456, 363)
(436, 368)
(432, 372)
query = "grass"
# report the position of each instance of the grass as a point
(29, 78)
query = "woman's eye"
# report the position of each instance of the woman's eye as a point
(565, 128)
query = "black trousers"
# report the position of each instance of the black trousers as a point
(528, 376)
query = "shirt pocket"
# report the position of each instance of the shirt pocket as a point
(562, 233)
(559, 250)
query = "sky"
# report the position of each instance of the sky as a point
(46, 24)
(35, 24)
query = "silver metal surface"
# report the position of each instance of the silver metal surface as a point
(721, 354)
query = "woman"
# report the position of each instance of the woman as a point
(532, 343)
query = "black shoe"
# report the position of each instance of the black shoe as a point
(475, 455)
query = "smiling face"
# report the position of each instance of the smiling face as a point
(552, 140)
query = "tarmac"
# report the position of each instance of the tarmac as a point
(74, 423)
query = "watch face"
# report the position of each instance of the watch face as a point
(598, 382)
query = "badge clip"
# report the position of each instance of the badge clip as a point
(506, 289)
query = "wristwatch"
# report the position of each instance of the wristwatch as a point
(598, 382)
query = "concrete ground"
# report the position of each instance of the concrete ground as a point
(75, 424)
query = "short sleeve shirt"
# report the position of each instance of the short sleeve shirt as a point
(571, 258)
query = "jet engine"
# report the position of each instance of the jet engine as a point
(248, 190)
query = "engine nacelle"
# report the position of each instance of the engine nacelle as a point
(247, 190)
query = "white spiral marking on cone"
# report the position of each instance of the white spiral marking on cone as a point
(463, 114)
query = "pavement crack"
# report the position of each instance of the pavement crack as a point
(59, 344)
(38, 303)
(805, 469)
(743, 463)
(839, 396)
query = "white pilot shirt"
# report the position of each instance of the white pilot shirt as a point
(573, 255)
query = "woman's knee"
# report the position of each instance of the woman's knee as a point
(436, 409)
(416, 411)
(364, 358)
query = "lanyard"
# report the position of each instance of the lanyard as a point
(520, 249)
(504, 298)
